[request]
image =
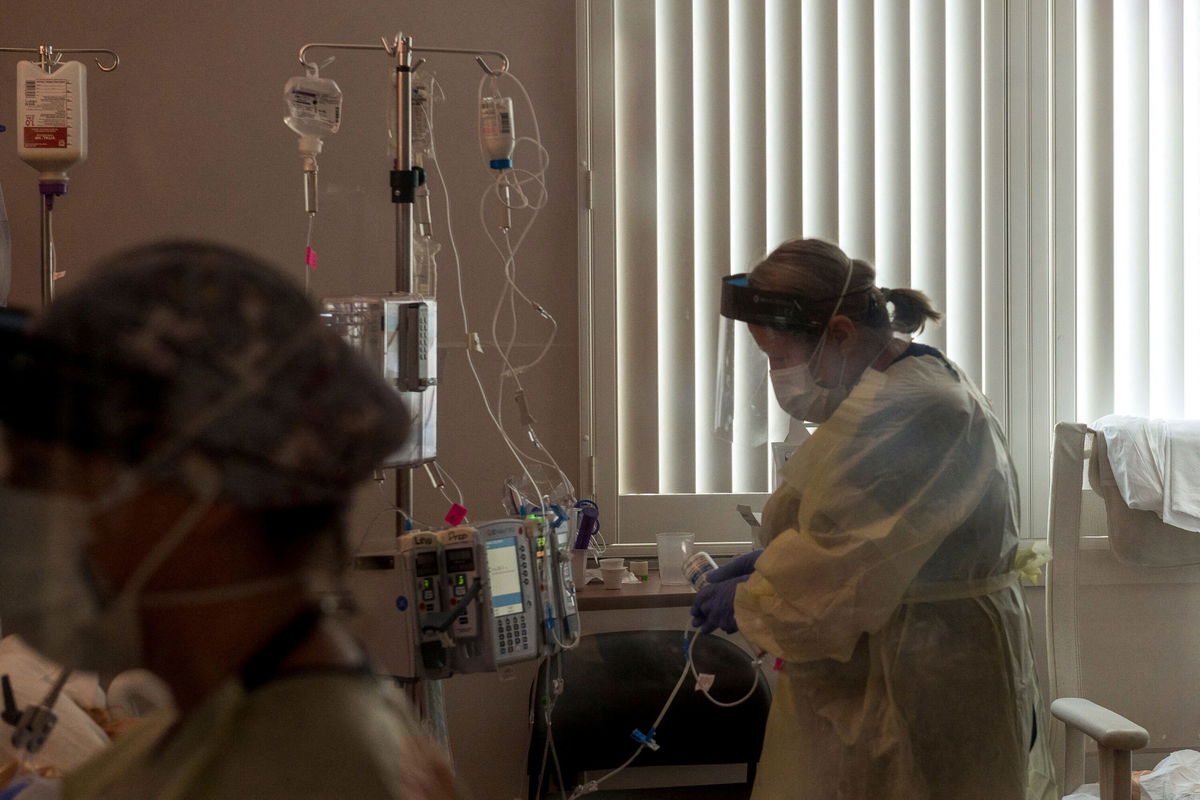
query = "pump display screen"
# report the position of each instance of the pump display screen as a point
(460, 559)
(426, 563)
(504, 576)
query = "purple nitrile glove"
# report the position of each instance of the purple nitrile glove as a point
(741, 566)
(713, 606)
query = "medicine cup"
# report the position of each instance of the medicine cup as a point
(612, 570)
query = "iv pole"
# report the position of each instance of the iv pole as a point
(48, 57)
(405, 179)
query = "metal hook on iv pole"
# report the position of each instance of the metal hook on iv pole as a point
(390, 47)
(49, 57)
(116, 62)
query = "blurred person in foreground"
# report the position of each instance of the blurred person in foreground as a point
(182, 437)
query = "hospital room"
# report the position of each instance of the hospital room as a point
(676, 399)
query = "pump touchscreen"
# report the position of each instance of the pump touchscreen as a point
(504, 576)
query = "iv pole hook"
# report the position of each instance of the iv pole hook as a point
(116, 59)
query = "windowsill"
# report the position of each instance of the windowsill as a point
(649, 594)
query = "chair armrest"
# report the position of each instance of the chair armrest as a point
(1108, 728)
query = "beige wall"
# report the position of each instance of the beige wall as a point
(187, 139)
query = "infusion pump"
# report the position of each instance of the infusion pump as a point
(468, 599)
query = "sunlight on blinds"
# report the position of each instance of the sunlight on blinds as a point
(741, 123)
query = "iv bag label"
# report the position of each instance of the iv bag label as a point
(321, 106)
(47, 107)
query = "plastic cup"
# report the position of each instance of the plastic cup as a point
(612, 562)
(640, 569)
(673, 549)
(579, 567)
(612, 576)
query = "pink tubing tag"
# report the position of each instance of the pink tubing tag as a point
(778, 664)
(455, 515)
(310, 257)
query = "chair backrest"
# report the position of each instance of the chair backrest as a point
(1123, 626)
(617, 682)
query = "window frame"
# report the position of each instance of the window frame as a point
(1039, 289)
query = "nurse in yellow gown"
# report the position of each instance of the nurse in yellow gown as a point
(889, 583)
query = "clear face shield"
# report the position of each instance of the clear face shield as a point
(746, 411)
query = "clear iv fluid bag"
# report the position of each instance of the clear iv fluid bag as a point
(314, 107)
(496, 130)
(52, 111)
(421, 109)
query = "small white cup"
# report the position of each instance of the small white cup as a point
(612, 562)
(612, 576)
(640, 569)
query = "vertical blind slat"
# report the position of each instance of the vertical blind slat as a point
(1094, 208)
(893, 244)
(710, 19)
(748, 228)
(636, 217)
(856, 128)
(1131, 202)
(1191, 204)
(676, 266)
(928, 96)
(964, 188)
(994, 300)
(820, 131)
(784, 125)
(1166, 209)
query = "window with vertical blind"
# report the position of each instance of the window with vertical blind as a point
(1128, 184)
(1022, 162)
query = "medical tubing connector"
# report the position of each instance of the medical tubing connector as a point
(646, 739)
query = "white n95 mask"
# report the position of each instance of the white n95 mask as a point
(48, 593)
(799, 394)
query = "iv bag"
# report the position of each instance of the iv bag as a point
(314, 106)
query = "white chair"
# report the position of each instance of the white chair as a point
(1123, 623)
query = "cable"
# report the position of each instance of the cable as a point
(648, 739)
(389, 507)
(463, 307)
(308, 267)
(510, 178)
(466, 325)
(592, 786)
(756, 662)
(445, 473)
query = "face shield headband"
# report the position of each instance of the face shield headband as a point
(779, 310)
(787, 312)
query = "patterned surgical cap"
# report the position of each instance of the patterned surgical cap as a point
(250, 379)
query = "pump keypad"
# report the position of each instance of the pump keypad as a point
(512, 633)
